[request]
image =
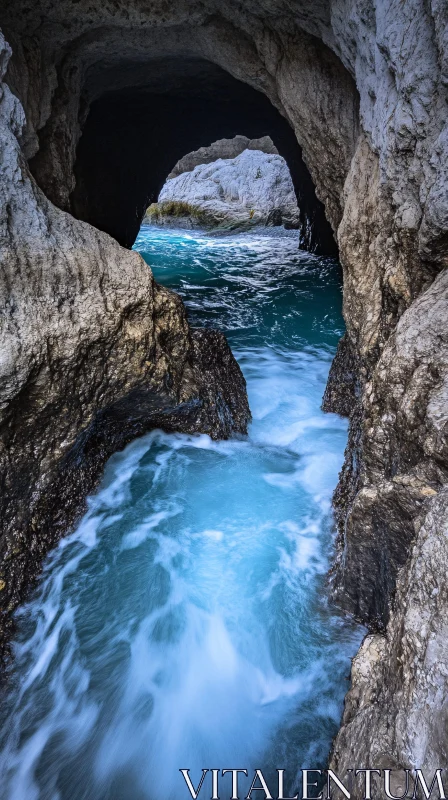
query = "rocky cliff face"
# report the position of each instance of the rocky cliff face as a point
(396, 713)
(401, 451)
(222, 148)
(363, 84)
(255, 188)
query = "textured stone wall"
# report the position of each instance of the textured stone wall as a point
(396, 712)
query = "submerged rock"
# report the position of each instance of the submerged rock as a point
(254, 188)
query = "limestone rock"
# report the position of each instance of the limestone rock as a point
(397, 455)
(342, 390)
(222, 148)
(254, 188)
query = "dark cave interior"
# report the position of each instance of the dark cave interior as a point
(153, 115)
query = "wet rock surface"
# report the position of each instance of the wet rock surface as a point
(396, 712)
(342, 392)
(398, 445)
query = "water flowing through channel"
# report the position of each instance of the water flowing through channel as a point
(185, 622)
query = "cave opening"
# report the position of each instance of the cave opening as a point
(135, 133)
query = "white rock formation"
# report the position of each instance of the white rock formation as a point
(254, 188)
(222, 148)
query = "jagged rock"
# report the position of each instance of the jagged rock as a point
(222, 148)
(254, 188)
(342, 391)
(398, 455)
(396, 713)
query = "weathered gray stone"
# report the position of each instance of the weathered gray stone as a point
(399, 457)
(396, 713)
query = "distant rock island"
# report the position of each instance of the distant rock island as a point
(245, 188)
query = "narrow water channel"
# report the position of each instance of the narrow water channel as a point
(185, 623)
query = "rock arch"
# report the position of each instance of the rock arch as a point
(133, 136)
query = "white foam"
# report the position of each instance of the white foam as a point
(184, 624)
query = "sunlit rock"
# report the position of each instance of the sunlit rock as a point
(254, 188)
(222, 148)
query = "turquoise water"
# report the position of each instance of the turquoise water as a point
(185, 623)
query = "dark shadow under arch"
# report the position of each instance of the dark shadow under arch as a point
(133, 136)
